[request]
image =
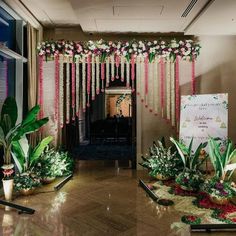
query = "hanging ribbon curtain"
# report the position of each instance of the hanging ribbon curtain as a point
(151, 67)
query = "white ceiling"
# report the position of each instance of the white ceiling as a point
(216, 17)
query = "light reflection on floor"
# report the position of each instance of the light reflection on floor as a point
(99, 200)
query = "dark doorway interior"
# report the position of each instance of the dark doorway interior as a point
(108, 130)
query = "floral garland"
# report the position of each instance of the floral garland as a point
(56, 96)
(97, 75)
(77, 85)
(67, 92)
(155, 62)
(61, 91)
(93, 77)
(186, 49)
(107, 72)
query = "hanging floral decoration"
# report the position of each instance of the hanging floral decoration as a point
(153, 66)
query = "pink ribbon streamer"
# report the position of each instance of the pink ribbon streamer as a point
(146, 75)
(132, 72)
(6, 77)
(56, 96)
(73, 89)
(177, 94)
(117, 66)
(40, 87)
(193, 76)
(102, 75)
(162, 93)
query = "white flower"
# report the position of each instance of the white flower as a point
(155, 42)
(149, 43)
(130, 50)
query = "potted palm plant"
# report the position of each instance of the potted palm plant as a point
(218, 187)
(191, 177)
(10, 132)
(162, 163)
(26, 159)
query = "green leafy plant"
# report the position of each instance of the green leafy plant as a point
(162, 161)
(190, 158)
(191, 177)
(221, 158)
(55, 164)
(25, 156)
(10, 131)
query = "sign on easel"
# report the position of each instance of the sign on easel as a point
(202, 116)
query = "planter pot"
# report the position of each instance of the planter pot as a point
(28, 191)
(219, 200)
(48, 180)
(8, 188)
(162, 177)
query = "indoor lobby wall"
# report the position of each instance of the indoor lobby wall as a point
(216, 73)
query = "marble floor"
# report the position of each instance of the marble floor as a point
(101, 199)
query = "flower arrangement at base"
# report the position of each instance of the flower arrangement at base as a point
(55, 164)
(191, 178)
(191, 220)
(219, 187)
(162, 162)
(219, 191)
(26, 181)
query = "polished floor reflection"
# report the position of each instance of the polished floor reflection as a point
(101, 199)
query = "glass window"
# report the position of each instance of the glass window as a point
(7, 29)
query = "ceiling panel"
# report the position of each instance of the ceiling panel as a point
(137, 15)
(218, 19)
(152, 25)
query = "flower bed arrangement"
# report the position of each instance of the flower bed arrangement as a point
(191, 220)
(162, 162)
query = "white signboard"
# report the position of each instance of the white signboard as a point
(202, 116)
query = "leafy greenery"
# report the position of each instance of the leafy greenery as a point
(221, 158)
(162, 160)
(55, 164)
(191, 177)
(190, 158)
(26, 180)
(10, 132)
(25, 156)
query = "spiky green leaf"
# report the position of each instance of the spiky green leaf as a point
(39, 149)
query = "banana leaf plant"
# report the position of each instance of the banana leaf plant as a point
(222, 159)
(25, 156)
(10, 131)
(189, 158)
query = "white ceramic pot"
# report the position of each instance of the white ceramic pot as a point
(8, 188)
